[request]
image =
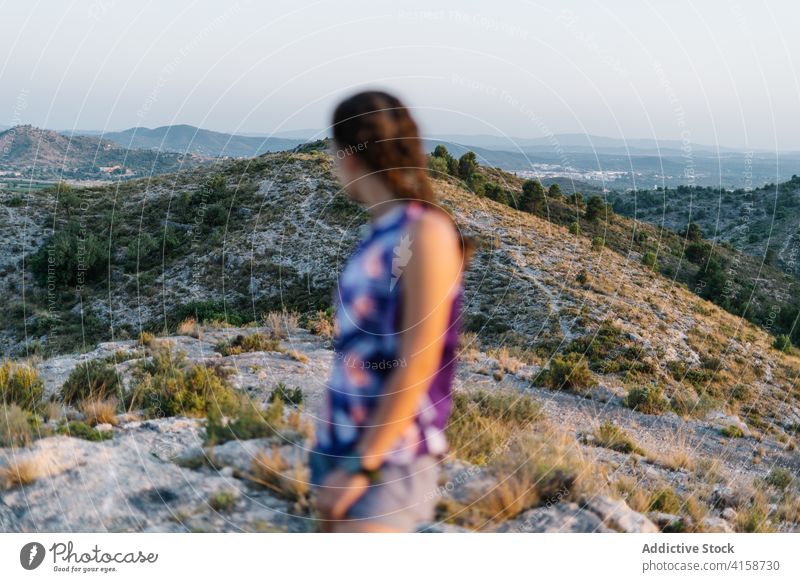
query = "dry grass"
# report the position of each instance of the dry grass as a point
(190, 327)
(289, 480)
(298, 356)
(469, 347)
(321, 324)
(281, 324)
(505, 361)
(15, 430)
(634, 495)
(53, 411)
(22, 471)
(676, 454)
(547, 467)
(100, 411)
(611, 436)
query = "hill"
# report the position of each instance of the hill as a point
(618, 398)
(39, 153)
(761, 222)
(190, 139)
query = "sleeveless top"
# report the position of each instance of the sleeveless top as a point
(366, 343)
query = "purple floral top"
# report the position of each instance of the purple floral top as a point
(366, 345)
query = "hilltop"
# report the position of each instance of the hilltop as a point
(190, 139)
(621, 383)
(42, 153)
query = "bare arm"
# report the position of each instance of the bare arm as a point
(428, 283)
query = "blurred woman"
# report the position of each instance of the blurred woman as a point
(381, 435)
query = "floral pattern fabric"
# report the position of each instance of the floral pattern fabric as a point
(367, 324)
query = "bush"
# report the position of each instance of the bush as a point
(245, 423)
(574, 228)
(15, 430)
(646, 399)
(20, 385)
(255, 342)
(596, 208)
(169, 388)
(70, 257)
(779, 478)
(291, 396)
(81, 430)
(582, 277)
(570, 372)
(666, 501)
(610, 436)
(650, 260)
(598, 243)
(91, 380)
(99, 411)
(733, 432)
(782, 343)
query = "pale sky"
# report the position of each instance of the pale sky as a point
(710, 71)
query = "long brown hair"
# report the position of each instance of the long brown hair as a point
(378, 129)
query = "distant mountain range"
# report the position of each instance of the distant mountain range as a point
(606, 163)
(42, 153)
(193, 140)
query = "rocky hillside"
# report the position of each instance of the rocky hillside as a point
(760, 221)
(594, 394)
(41, 153)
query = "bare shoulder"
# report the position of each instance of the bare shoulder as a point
(435, 228)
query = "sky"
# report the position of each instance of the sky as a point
(710, 72)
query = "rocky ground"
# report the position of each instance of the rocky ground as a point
(157, 474)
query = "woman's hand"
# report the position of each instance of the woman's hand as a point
(339, 492)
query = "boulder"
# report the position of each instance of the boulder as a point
(557, 518)
(617, 515)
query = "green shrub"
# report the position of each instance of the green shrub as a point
(20, 384)
(611, 436)
(168, 387)
(666, 501)
(254, 342)
(70, 257)
(574, 228)
(569, 372)
(15, 430)
(81, 430)
(779, 478)
(650, 260)
(222, 500)
(291, 396)
(93, 379)
(646, 399)
(246, 422)
(598, 243)
(732, 431)
(782, 343)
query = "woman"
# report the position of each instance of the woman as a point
(381, 435)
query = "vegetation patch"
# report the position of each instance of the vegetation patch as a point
(646, 399)
(254, 342)
(568, 372)
(611, 436)
(482, 423)
(91, 380)
(20, 384)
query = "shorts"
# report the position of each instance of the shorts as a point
(403, 497)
